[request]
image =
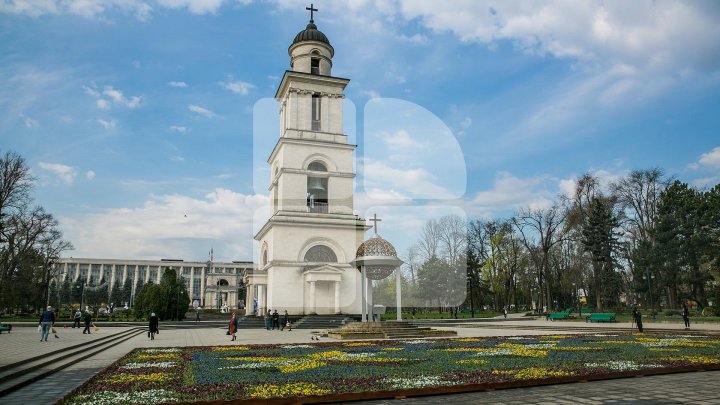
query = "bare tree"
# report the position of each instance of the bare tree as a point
(638, 194)
(541, 229)
(429, 240)
(452, 234)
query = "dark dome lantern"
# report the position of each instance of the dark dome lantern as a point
(310, 33)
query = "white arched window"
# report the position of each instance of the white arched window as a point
(320, 254)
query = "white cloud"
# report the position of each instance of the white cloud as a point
(90, 175)
(177, 84)
(711, 159)
(64, 173)
(169, 226)
(401, 139)
(111, 124)
(31, 123)
(237, 87)
(202, 111)
(177, 128)
(383, 181)
(465, 124)
(140, 9)
(110, 96)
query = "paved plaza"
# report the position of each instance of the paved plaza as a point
(694, 388)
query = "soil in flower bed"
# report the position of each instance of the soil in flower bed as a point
(352, 370)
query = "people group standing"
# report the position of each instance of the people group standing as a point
(153, 326)
(268, 319)
(47, 320)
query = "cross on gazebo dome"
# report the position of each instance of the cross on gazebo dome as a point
(311, 9)
(375, 220)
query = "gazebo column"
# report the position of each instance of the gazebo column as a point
(397, 294)
(363, 294)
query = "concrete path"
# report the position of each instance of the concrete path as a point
(694, 388)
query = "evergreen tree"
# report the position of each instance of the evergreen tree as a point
(127, 292)
(66, 292)
(600, 241)
(116, 294)
(138, 287)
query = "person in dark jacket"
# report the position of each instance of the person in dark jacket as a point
(275, 320)
(153, 326)
(286, 322)
(88, 321)
(47, 320)
(686, 316)
(234, 325)
(637, 317)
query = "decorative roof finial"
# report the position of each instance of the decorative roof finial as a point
(375, 220)
(311, 9)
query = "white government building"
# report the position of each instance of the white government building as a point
(312, 235)
(211, 284)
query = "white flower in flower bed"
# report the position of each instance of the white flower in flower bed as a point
(360, 355)
(664, 343)
(418, 341)
(297, 346)
(494, 352)
(622, 365)
(603, 335)
(163, 364)
(541, 346)
(173, 350)
(137, 397)
(516, 338)
(418, 382)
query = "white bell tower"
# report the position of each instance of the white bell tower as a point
(307, 243)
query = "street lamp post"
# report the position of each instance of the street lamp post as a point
(649, 277)
(217, 294)
(472, 299)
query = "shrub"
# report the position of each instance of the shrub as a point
(672, 312)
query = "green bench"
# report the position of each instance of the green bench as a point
(4, 327)
(560, 315)
(601, 317)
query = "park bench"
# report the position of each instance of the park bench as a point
(4, 327)
(560, 315)
(601, 317)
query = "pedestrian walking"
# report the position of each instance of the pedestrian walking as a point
(197, 314)
(686, 316)
(76, 318)
(47, 320)
(505, 312)
(637, 317)
(153, 326)
(233, 326)
(268, 319)
(88, 321)
(286, 322)
(275, 320)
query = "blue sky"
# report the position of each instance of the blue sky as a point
(140, 118)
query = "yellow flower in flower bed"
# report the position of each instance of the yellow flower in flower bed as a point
(533, 373)
(472, 361)
(357, 344)
(159, 356)
(229, 348)
(121, 378)
(327, 355)
(287, 390)
(391, 349)
(554, 337)
(577, 349)
(521, 350)
(294, 367)
(663, 349)
(467, 340)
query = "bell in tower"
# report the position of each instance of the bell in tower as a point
(317, 195)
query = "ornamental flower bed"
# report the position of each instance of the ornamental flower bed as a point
(354, 370)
